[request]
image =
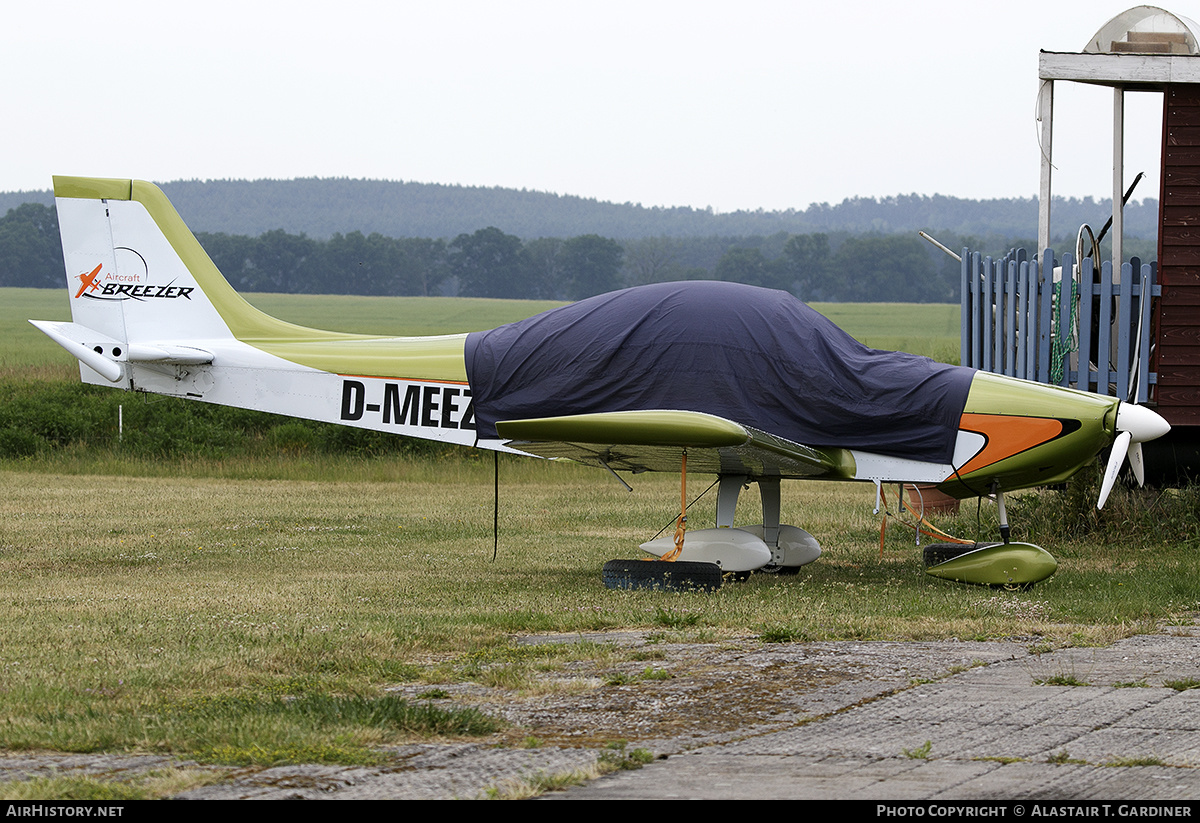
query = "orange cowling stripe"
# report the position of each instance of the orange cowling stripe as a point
(1007, 435)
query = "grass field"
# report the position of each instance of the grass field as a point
(254, 610)
(25, 348)
(929, 329)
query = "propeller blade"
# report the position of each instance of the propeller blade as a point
(1135, 425)
(1115, 460)
(1137, 463)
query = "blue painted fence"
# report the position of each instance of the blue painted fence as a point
(1015, 322)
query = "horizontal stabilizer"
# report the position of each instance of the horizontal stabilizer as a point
(167, 353)
(96, 351)
(103, 355)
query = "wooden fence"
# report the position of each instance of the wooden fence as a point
(1015, 322)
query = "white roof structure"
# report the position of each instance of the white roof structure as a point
(1145, 30)
(1145, 48)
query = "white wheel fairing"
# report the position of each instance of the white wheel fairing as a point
(796, 546)
(734, 550)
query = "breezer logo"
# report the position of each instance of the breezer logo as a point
(88, 281)
(413, 404)
(99, 286)
(138, 291)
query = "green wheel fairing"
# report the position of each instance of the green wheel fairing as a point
(1000, 564)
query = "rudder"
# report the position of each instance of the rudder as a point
(144, 292)
(124, 276)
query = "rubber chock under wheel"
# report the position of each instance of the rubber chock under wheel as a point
(665, 575)
(779, 570)
(935, 553)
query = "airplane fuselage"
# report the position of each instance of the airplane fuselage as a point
(152, 313)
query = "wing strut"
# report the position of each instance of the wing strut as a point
(619, 479)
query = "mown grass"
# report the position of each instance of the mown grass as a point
(152, 785)
(211, 616)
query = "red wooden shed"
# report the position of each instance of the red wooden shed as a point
(1150, 49)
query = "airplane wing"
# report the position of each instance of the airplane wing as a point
(640, 441)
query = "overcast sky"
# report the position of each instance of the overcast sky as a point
(743, 104)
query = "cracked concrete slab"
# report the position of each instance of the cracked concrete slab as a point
(993, 732)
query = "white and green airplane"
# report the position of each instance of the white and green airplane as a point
(726, 392)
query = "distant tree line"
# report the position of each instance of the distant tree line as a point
(833, 266)
(323, 207)
(30, 251)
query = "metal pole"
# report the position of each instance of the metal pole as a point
(1046, 116)
(1118, 176)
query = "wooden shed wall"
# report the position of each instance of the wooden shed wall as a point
(1177, 353)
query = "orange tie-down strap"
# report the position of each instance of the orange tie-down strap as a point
(922, 526)
(681, 523)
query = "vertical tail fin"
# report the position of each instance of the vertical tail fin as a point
(140, 285)
(136, 272)
(152, 313)
(143, 291)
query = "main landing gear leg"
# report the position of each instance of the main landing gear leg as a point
(768, 490)
(790, 547)
(728, 490)
(800, 547)
(729, 487)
